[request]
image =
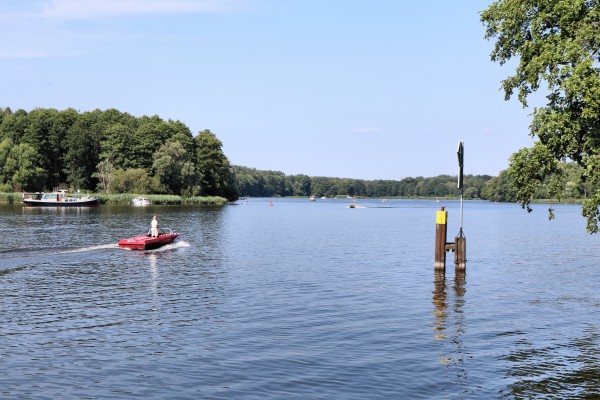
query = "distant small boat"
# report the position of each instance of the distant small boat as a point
(140, 201)
(59, 199)
(312, 198)
(147, 242)
(354, 206)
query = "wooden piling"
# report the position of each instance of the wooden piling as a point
(441, 229)
(460, 253)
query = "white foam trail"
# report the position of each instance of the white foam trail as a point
(91, 248)
(177, 245)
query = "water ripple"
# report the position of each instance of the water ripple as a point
(298, 301)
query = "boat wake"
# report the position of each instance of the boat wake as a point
(14, 257)
(23, 254)
(171, 246)
(91, 248)
(28, 252)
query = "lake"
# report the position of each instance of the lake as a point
(298, 300)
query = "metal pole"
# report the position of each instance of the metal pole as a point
(460, 242)
(460, 152)
(460, 233)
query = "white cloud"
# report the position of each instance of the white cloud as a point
(27, 37)
(89, 9)
(39, 29)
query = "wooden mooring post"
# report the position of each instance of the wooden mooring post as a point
(441, 231)
(459, 246)
(460, 252)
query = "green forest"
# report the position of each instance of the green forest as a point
(110, 152)
(114, 152)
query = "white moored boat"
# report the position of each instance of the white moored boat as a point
(140, 201)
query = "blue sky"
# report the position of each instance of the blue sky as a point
(368, 89)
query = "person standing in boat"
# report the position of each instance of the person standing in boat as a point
(154, 227)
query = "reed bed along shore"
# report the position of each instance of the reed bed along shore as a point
(163, 199)
(10, 198)
(125, 198)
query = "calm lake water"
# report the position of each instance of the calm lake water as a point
(298, 300)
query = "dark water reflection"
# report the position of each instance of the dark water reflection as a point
(297, 300)
(449, 327)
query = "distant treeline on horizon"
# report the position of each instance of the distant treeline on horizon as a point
(258, 183)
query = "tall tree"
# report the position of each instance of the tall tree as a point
(6, 146)
(13, 125)
(46, 132)
(83, 149)
(105, 174)
(57, 136)
(147, 139)
(22, 165)
(556, 42)
(118, 146)
(169, 162)
(214, 168)
(179, 132)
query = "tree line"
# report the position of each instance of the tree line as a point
(570, 184)
(114, 152)
(110, 152)
(260, 183)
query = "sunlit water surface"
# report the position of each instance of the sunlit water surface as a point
(298, 300)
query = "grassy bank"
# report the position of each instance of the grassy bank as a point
(10, 198)
(125, 198)
(163, 199)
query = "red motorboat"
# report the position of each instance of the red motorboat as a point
(147, 242)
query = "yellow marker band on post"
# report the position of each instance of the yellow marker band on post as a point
(441, 217)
